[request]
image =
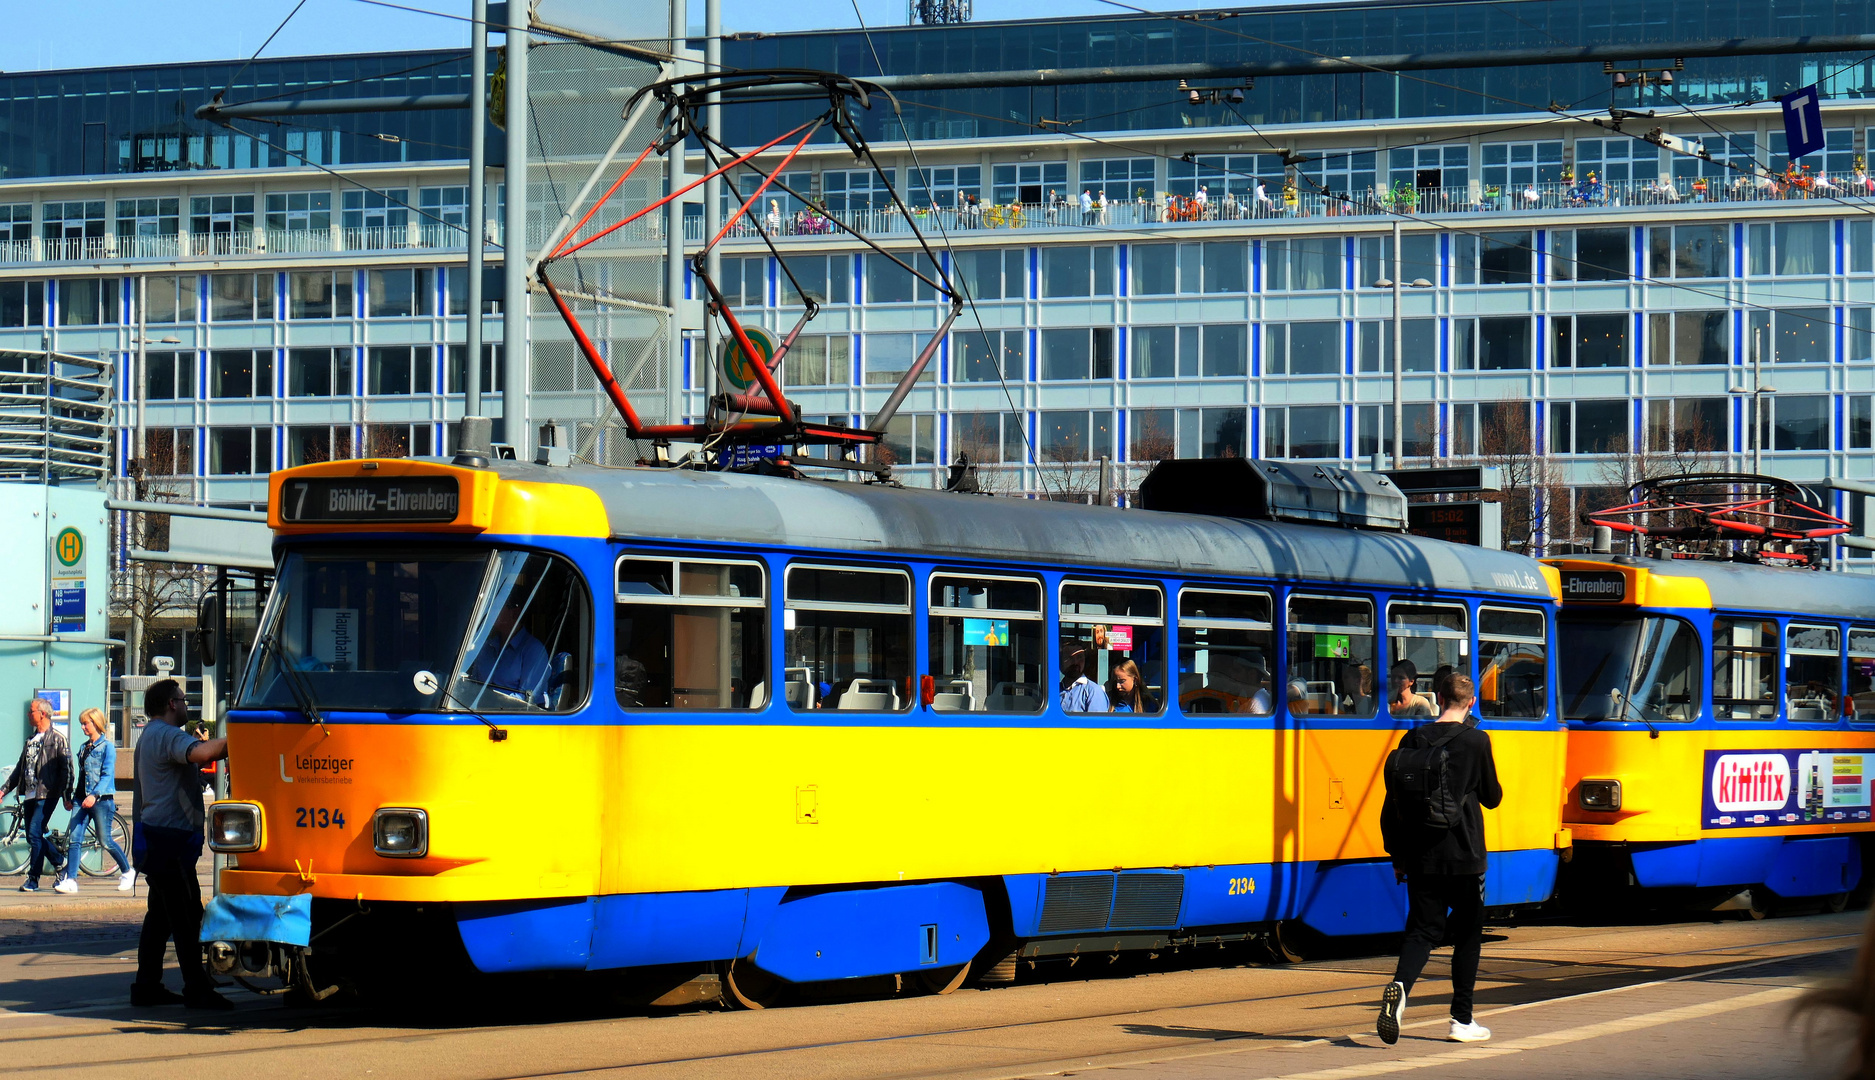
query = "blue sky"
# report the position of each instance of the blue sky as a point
(44, 35)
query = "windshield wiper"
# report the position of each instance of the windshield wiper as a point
(1639, 711)
(302, 694)
(495, 734)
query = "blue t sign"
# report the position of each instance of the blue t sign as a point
(1803, 122)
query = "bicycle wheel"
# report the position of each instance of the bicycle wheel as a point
(95, 860)
(13, 847)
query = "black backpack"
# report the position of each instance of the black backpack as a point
(1421, 778)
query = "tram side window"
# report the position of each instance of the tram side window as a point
(690, 634)
(1114, 635)
(1812, 672)
(1331, 656)
(1862, 674)
(849, 639)
(1744, 669)
(1513, 664)
(1226, 648)
(986, 644)
(1436, 638)
(529, 640)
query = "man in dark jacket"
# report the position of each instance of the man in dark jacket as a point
(1442, 866)
(43, 779)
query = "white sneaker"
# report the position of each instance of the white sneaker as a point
(1392, 1007)
(66, 886)
(1467, 1032)
(127, 881)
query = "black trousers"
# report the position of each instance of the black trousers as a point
(1429, 897)
(175, 912)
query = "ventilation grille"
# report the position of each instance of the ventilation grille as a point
(1148, 900)
(1076, 903)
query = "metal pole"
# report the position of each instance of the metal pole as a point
(1757, 401)
(1399, 381)
(514, 243)
(133, 650)
(677, 170)
(478, 212)
(712, 188)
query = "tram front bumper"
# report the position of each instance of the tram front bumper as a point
(242, 930)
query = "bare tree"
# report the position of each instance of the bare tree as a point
(1532, 486)
(1153, 442)
(152, 592)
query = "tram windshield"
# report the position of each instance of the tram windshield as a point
(1628, 668)
(436, 630)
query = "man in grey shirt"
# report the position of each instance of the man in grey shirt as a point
(169, 823)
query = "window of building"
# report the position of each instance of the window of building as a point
(1076, 435)
(1305, 263)
(1688, 337)
(1794, 335)
(1513, 664)
(1302, 431)
(1493, 343)
(987, 637)
(397, 369)
(319, 372)
(889, 356)
(311, 444)
(240, 451)
(1164, 269)
(849, 637)
(818, 360)
(222, 220)
(1859, 256)
(1077, 271)
(1690, 251)
(1429, 167)
(1589, 341)
(16, 223)
(910, 439)
(1492, 427)
(948, 185)
(1588, 427)
(1343, 172)
(240, 297)
(1373, 429)
(148, 218)
(887, 282)
(1226, 650)
(1164, 434)
(1722, 151)
(1119, 179)
(168, 376)
(376, 218)
(494, 378)
(1794, 422)
(456, 281)
(397, 440)
(399, 293)
(1302, 348)
(1788, 248)
(1107, 630)
(1331, 656)
(240, 373)
(445, 210)
(828, 278)
(1617, 161)
(299, 211)
(853, 190)
(1215, 351)
(1744, 669)
(87, 301)
(744, 282)
(1077, 353)
(991, 274)
(1861, 434)
(1419, 339)
(1688, 425)
(989, 355)
(74, 221)
(988, 438)
(169, 451)
(692, 634)
(1837, 159)
(22, 303)
(787, 204)
(1812, 673)
(169, 299)
(1590, 254)
(1419, 259)
(1511, 167)
(319, 294)
(1495, 258)
(1235, 175)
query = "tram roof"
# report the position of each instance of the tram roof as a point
(770, 511)
(1757, 587)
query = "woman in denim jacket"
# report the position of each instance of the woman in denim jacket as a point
(97, 792)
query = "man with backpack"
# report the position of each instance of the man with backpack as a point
(1438, 783)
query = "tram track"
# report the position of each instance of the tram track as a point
(328, 1035)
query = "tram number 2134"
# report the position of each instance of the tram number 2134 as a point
(318, 817)
(1242, 886)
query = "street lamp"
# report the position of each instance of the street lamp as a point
(1399, 409)
(1757, 390)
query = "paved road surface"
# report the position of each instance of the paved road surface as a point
(1691, 999)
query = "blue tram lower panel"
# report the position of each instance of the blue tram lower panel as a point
(842, 933)
(1788, 866)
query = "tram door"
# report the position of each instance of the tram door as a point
(1334, 691)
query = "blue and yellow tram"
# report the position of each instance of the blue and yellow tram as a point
(1721, 725)
(576, 719)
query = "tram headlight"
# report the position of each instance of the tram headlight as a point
(234, 827)
(401, 833)
(1602, 796)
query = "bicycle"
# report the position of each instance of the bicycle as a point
(93, 859)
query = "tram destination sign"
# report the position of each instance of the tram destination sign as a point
(391, 500)
(1601, 586)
